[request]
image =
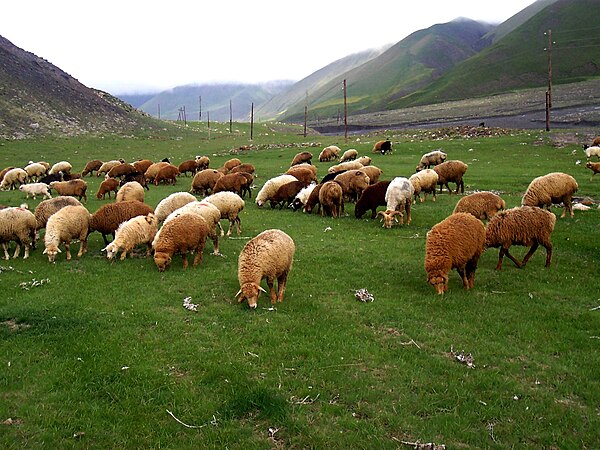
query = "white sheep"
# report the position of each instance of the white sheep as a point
(13, 178)
(17, 224)
(271, 186)
(594, 150)
(364, 160)
(267, 256)
(230, 204)
(35, 170)
(349, 155)
(302, 197)
(348, 165)
(553, 188)
(431, 159)
(398, 197)
(424, 181)
(61, 166)
(132, 190)
(169, 204)
(68, 223)
(34, 189)
(135, 231)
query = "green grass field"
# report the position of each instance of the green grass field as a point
(103, 355)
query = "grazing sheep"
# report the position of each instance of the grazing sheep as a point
(13, 178)
(202, 162)
(4, 171)
(107, 186)
(269, 256)
(383, 147)
(172, 202)
(456, 242)
(108, 217)
(46, 208)
(121, 170)
(71, 176)
(364, 160)
(91, 166)
(302, 197)
(353, 183)
(398, 198)
(141, 165)
(183, 234)
(152, 171)
(373, 172)
(286, 194)
(244, 167)
(34, 189)
(596, 141)
(135, 176)
(61, 166)
(329, 153)
(270, 188)
(451, 171)
(68, 223)
(372, 197)
(313, 199)
(74, 188)
(230, 205)
(349, 155)
(168, 174)
(106, 166)
(331, 198)
(553, 188)
(594, 150)
(131, 191)
(305, 174)
(594, 167)
(234, 182)
(191, 166)
(50, 178)
(231, 163)
(348, 165)
(431, 159)
(35, 171)
(424, 181)
(526, 225)
(302, 157)
(483, 205)
(17, 224)
(135, 231)
(205, 181)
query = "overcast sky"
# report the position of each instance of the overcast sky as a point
(130, 46)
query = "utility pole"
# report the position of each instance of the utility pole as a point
(208, 123)
(159, 111)
(230, 116)
(345, 114)
(549, 68)
(305, 112)
(252, 121)
(199, 108)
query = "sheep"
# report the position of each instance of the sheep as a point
(34, 189)
(372, 197)
(373, 172)
(205, 181)
(107, 165)
(286, 194)
(269, 256)
(594, 167)
(184, 233)
(141, 165)
(61, 166)
(313, 199)
(131, 191)
(302, 173)
(483, 205)
(270, 188)
(168, 173)
(17, 224)
(91, 166)
(364, 160)
(106, 187)
(348, 165)
(302, 157)
(349, 155)
(244, 167)
(50, 178)
(331, 198)
(456, 242)
(553, 188)
(135, 176)
(68, 223)
(596, 141)
(71, 176)
(4, 171)
(152, 171)
(424, 181)
(73, 188)
(432, 158)
(46, 208)
(301, 198)
(13, 178)
(234, 182)
(169, 204)
(231, 163)
(594, 150)
(526, 225)
(353, 182)
(191, 166)
(108, 217)
(121, 170)
(230, 205)
(383, 147)
(329, 153)
(35, 171)
(398, 197)
(202, 162)
(135, 231)
(451, 171)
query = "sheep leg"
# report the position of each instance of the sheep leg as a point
(26, 255)
(199, 250)
(123, 254)
(67, 248)
(408, 212)
(5, 248)
(281, 282)
(222, 232)
(470, 272)
(530, 253)
(185, 259)
(463, 275)
(231, 225)
(215, 240)
(272, 294)
(17, 250)
(513, 259)
(548, 247)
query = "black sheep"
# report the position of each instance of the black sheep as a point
(371, 198)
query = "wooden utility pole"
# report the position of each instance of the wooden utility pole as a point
(345, 114)
(305, 112)
(199, 108)
(547, 111)
(184, 116)
(230, 117)
(549, 49)
(159, 111)
(252, 121)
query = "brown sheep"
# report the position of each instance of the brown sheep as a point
(191, 166)
(353, 183)
(168, 174)
(74, 188)
(202, 162)
(135, 176)
(152, 171)
(451, 171)
(91, 166)
(108, 217)
(142, 165)
(46, 208)
(107, 165)
(233, 182)
(348, 165)
(121, 170)
(205, 181)
(331, 199)
(231, 163)
(131, 191)
(106, 187)
(286, 193)
(313, 200)
(556, 187)
(526, 225)
(483, 205)
(183, 234)
(305, 174)
(594, 167)
(456, 242)
(373, 172)
(383, 147)
(245, 167)
(372, 197)
(329, 153)
(302, 157)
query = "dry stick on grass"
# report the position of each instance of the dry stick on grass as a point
(212, 422)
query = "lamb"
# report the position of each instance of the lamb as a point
(349, 155)
(191, 166)
(286, 194)
(305, 174)
(483, 205)
(431, 159)
(106, 187)
(17, 224)
(398, 197)
(230, 205)
(270, 188)
(184, 233)
(553, 188)
(348, 165)
(331, 198)
(372, 197)
(141, 165)
(383, 147)
(205, 181)
(61, 166)
(302, 197)
(68, 223)
(106, 166)
(364, 160)
(34, 189)
(131, 191)
(108, 217)
(329, 153)
(373, 172)
(168, 174)
(135, 231)
(46, 208)
(234, 182)
(526, 225)
(13, 178)
(424, 181)
(594, 167)
(269, 256)
(456, 242)
(594, 150)
(353, 183)
(302, 157)
(451, 171)
(74, 188)
(35, 171)
(202, 162)
(169, 204)
(121, 170)
(91, 166)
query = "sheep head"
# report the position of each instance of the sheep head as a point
(51, 251)
(388, 217)
(250, 292)
(110, 250)
(162, 260)
(439, 282)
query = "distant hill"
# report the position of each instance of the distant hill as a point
(518, 19)
(37, 98)
(136, 100)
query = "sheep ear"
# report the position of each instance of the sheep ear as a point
(104, 249)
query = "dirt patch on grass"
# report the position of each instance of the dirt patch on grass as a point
(14, 326)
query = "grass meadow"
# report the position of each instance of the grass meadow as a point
(95, 354)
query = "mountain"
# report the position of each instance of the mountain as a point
(518, 19)
(37, 98)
